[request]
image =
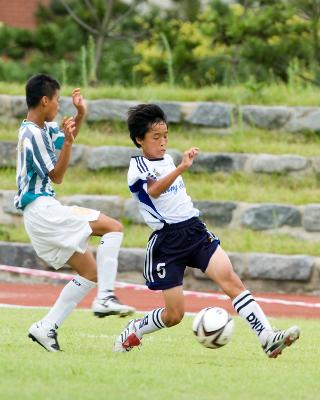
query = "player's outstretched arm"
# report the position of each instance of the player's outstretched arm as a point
(57, 174)
(80, 105)
(156, 188)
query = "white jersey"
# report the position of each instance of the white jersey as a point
(172, 206)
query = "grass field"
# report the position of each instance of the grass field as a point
(170, 365)
(240, 140)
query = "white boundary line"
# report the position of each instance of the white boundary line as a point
(135, 286)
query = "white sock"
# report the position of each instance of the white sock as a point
(70, 296)
(249, 309)
(107, 263)
(151, 322)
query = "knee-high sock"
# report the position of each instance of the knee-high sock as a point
(107, 262)
(70, 296)
(151, 322)
(249, 309)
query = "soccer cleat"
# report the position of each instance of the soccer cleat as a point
(127, 338)
(47, 338)
(278, 340)
(111, 306)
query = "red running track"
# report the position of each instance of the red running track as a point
(275, 305)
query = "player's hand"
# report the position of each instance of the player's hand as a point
(188, 157)
(69, 126)
(78, 101)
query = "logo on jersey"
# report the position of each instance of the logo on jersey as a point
(175, 187)
(156, 172)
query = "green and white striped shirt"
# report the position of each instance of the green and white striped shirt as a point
(35, 159)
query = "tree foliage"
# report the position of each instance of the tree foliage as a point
(189, 44)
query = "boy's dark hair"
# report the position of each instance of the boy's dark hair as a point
(141, 118)
(38, 86)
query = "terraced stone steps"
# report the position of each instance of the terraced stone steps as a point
(211, 114)
(260, 271)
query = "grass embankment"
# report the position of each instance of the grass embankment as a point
(271, 94)
(240, 140)
(237, 186)
(237, 240)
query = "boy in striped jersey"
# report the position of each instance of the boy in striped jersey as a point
(180, 239)
(59, 234)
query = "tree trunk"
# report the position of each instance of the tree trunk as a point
(101, 37)
(99, 50)
(315, 35)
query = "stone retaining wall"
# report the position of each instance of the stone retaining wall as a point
(97, 158)
(264, 272)
(300, 221)
(209, 114)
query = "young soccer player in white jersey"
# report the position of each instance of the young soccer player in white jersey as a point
(180, 239)
(59, 234)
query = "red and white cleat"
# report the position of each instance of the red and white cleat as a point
(127, 338)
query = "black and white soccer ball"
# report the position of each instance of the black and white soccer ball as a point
(213, 327)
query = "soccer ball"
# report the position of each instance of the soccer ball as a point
(213, 327)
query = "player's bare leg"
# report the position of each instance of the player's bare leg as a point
(173, 312)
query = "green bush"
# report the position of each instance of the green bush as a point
(11, 71)
(243, 42)
(226, 44)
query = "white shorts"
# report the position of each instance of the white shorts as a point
(58, 231)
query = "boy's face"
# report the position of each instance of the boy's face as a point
(154, 143)
(51, 106)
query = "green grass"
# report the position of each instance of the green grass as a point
(244, 140)
(238, 240)
(237, 186)
(269, 94)
(170, 365)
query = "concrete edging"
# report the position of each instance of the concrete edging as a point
(259, 271)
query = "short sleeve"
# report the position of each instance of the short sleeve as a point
(44, 158)
(140, 171)
(56, 134)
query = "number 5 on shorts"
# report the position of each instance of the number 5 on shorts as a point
(161, 270)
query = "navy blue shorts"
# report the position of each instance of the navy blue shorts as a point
(174, 247)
